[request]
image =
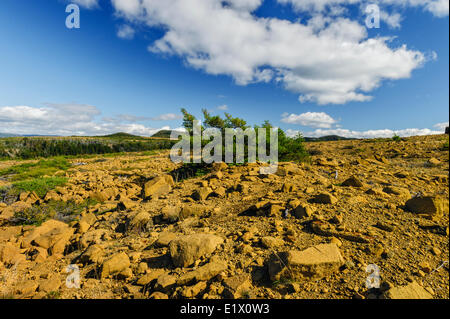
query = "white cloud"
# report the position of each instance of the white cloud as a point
(223, 107)
(383, 133)
(439, 8)
(311, 119)
(125, 32)
(69, 119)
(167, 117)
(441, 126)
(231, 40)
(88, 4)
(392, 20)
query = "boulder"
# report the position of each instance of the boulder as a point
(202, 193)
(10, 254)
(433, 162)
(193, 291)
(158, 186)
(219, 166)
(325, 198)
(165, 282)
(192, 210)
(203, 273)
(139, 221)
(52, 235)
(271, 242)
(151, 276)
(431, 206)
(93, 255)
(401, 192)
(352, 182)
(303, 211)
(410, 291)
(115, 265)
(313, 263)
(237, 286)
(185, 250)
(10, 233)
(165, 238)
(93, 236)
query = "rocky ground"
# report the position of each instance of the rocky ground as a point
(314, 230)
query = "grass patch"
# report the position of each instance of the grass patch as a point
(282, 282)
(27, 171)
(38, 185)
(64, 211)
(190, 170)
(444, 147)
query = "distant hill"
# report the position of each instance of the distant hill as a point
(326, 138)
(8, 135)
(162, 134)
(123, 136)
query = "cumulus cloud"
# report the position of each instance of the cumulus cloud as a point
(226, 37)
(70, 119)
(383, 133)
(223, 107)
(125, 32)
(311, 119)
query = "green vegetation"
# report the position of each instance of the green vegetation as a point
(35, 177)
(396, 138)
(289, 148)
(39, 185)
(33, 170)
(327, 138)
(123, 136)
(377, 140)
(162, 134)
(34, 147)
(53, 295)
(65, 211)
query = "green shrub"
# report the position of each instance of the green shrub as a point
(39, 185)
(291, 148)
(396, 138)
(65, 211)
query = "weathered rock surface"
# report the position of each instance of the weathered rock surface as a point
(410, 291)
(432, 206)
(115, 265)
(185, 250)
(313, 263)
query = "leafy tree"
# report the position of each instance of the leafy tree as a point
(188, 120)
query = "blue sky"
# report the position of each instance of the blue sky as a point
(315, 69)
